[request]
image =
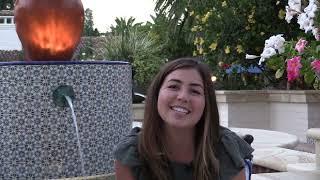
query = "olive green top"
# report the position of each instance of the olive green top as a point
(231, 152)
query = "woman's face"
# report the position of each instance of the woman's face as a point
(181, 98)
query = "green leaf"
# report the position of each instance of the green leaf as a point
(316, 84)
(309, 77)
(279, 73)
(275, 63)
(317, 48)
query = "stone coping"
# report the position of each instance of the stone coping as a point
(277, 158)
(267, 96)
(87, 62)
(267, 138)
(304, 167)
(285, 176)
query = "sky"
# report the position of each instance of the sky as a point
(105, 11)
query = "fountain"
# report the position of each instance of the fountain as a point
(312, 168)
(49, 133)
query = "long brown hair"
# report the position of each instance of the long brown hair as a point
(152, 141)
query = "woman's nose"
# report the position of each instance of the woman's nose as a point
(183, 95)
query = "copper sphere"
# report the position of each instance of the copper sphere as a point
(49, 29)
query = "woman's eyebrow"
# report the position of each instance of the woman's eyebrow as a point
(175, 80)
(191, 84)
(196, 84)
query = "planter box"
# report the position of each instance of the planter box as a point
(288, 111)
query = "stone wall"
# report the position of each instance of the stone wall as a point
(293, 112)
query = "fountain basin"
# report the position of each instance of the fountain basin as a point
(37, 138)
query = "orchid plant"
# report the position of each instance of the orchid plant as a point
(297, 61)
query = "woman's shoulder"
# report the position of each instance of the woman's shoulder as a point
(126, 151)
(234, 145)
(231, 152)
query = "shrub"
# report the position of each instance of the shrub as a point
(225, 30)
(138, 48)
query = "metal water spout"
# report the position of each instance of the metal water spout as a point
(60, 93)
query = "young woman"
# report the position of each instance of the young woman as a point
(181, 138)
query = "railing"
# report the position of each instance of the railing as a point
(5, 20)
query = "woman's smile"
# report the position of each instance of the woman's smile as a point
(180, 109)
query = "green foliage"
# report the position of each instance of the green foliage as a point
(88, 29)
(6, 4)
(124, 26)
(86, 51)
(223, 30)
(173, 25)
(278, 64)
(133, 43)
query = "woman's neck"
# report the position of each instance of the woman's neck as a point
(180, 144)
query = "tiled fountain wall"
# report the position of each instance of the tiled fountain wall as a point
(37, 138)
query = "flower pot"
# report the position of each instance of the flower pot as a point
(49, 29)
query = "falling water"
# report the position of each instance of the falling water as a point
(77, 133)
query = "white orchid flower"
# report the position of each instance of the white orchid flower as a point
(311, 9)
(275, 42)
(279, 42)
(315, 32)
(262, 59)
(268, 52)
(303, 21)
(295, 5)
(249, 56)
(289, 14)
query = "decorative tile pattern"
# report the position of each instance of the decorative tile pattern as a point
(37, 138)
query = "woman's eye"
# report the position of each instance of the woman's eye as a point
(195, 92)
(173, 86)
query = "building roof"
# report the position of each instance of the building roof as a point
(6, 13)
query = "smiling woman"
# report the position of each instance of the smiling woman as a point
(105, 11)
(180, 136)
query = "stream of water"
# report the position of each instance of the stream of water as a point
(77, 133)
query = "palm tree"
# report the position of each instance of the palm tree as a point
(123, 26)
(179, 27)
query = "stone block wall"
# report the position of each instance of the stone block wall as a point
(292, 112)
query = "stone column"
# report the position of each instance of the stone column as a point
(315, 134)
